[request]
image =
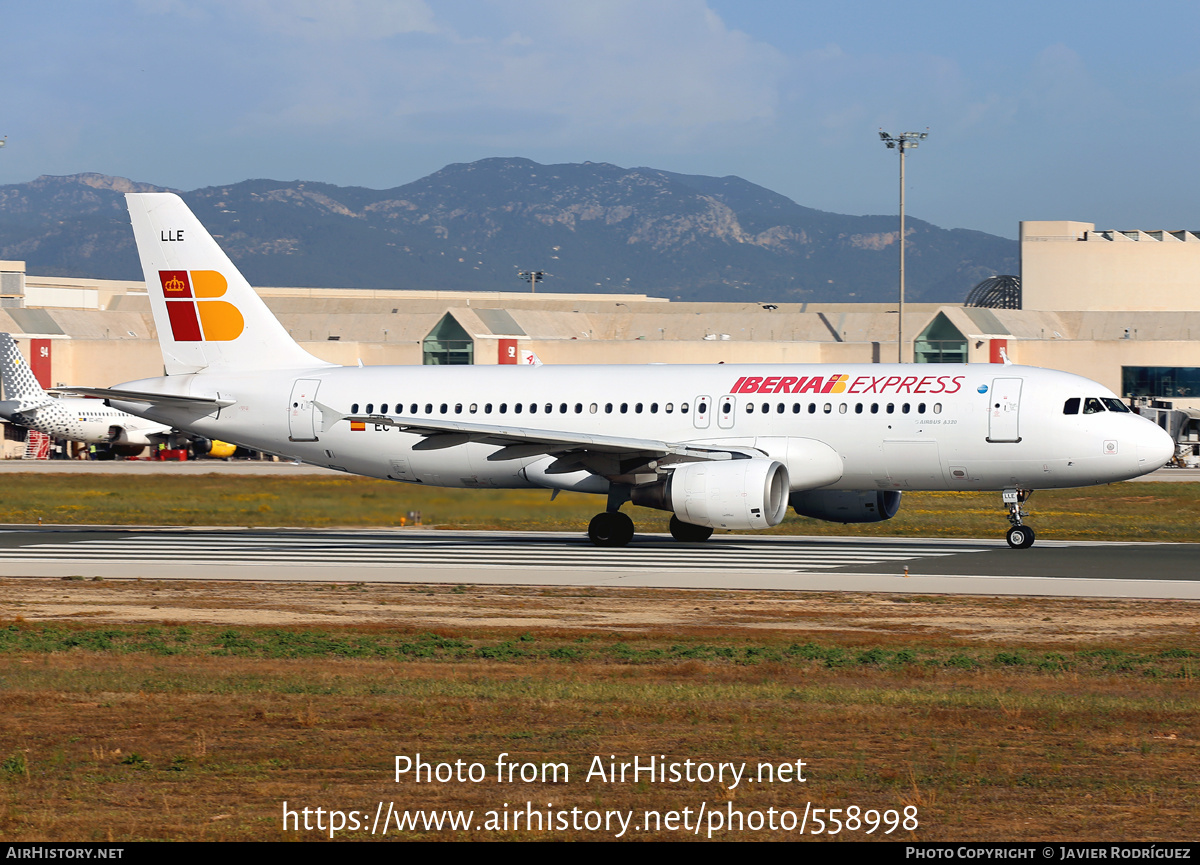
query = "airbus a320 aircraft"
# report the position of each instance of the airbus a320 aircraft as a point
(79, 420)
(719, 446)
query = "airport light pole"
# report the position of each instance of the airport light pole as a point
(903, 141)
(533, 277)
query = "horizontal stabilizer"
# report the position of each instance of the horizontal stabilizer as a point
(24, 404)
(147, 397)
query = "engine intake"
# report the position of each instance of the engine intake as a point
(731, 494)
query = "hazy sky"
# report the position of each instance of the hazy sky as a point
(1036, 110)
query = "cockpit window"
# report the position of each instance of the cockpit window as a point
(1071, 406)
(1092, 405)
(1115, 404)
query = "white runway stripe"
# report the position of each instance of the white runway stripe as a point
(349, 550)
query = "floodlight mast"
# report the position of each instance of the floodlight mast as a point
(903, 141)
(533, 277)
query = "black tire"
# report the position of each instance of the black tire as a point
(610, 529)
(689, 533)
(1020, 537)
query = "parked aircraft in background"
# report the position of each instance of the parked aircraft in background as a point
(89, 421)
(719, 446)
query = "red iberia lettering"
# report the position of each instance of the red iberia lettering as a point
(813, 385)
(750, 385)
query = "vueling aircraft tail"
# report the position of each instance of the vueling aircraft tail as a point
(21, 390)
(206, 314)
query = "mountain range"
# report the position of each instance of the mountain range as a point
(591, 227)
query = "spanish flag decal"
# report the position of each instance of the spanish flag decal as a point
(357, 426)
(194, 314)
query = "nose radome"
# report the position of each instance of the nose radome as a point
(1155, 449)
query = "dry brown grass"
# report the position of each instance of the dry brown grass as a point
(1087, 731)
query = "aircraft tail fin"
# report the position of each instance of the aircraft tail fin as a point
(21, 388)
(206, 313)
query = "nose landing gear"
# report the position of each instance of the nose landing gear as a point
(1020, 537)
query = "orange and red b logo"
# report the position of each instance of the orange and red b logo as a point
(194, 316)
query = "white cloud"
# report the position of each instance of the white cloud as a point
(669, 70)
(337, 20)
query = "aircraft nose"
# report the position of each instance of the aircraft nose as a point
(1155, 449)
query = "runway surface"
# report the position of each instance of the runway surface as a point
(1051, 568)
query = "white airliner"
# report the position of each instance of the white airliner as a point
(79, 420)
(720, 446)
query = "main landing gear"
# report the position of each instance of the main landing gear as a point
(1020, 537)
(610, 529)
(614, 529)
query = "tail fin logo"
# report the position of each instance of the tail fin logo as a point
(195, 316)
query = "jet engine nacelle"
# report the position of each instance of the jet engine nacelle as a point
(847, 506)
(118, 435)
(730, 494)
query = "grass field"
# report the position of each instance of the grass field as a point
(1129, 511)
(202, 732)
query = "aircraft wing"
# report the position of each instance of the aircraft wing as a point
(517, 442)
(166, 399)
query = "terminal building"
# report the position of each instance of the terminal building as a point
(1120, 307)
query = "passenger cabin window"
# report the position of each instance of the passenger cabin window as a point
(354, 409)
(370, 408)
(669, 407)
(1071, 406)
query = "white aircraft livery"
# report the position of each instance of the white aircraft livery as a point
(79, 420)
(719, 446)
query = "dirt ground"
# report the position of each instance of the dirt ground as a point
(895, 618)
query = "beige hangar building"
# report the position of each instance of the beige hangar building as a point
(1120, 307)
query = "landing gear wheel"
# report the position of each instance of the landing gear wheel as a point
(1020, 537)
(612, 529)
(689, 532)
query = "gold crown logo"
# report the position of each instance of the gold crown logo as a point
(175, 284)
